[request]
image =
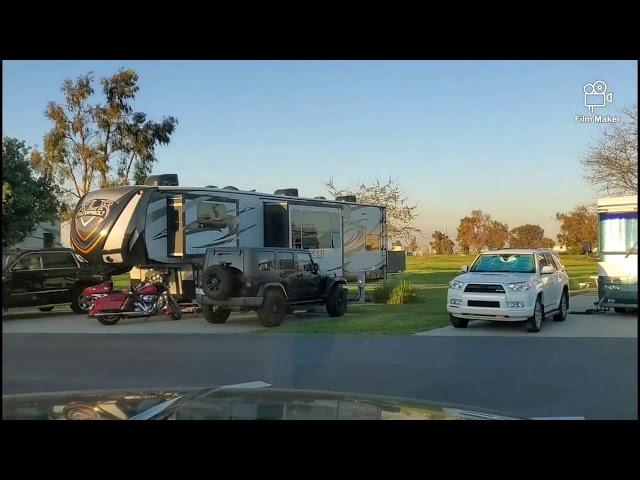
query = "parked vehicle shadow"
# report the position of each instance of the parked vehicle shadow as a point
(17, 314)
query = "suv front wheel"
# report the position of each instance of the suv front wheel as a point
(561, 316)
(273, 309)
(458, 322)
(337, 302)
(534, 323)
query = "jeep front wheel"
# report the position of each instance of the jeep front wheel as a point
(273, 309)
(337, 302)
(215, 314)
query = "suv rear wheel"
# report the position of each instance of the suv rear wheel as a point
(215, 314)
(337, 302)
(273, 309)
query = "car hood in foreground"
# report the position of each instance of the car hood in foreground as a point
(231, 404)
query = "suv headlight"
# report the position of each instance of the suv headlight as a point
(456, 285)
(520, 286)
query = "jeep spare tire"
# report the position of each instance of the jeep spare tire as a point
(217, 282)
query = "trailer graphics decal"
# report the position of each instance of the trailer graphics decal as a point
(92, 212)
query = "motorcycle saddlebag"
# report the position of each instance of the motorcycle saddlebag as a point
(111, 303)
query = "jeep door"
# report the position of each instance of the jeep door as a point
(289, 276)
(306, 280)
(549, 282)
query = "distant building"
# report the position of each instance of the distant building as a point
(45, 235)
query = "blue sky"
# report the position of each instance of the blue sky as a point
(498, 136)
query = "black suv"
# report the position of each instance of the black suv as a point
(45, 278)
(272, 281)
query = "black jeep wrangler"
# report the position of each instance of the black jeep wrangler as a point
(272, 281)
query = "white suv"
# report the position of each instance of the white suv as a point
(510, 285)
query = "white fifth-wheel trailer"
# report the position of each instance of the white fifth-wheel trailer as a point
(162, 225)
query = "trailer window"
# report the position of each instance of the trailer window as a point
(619, 232)
(212, 214)
(372, 242)
(314, 229)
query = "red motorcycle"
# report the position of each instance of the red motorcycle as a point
(93, 293)
(147, 299)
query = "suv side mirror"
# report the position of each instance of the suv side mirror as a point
(547, 269)
(464, 268)
(315, 268)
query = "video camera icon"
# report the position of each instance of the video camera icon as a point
(595, 95)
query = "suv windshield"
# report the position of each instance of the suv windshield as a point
(511, 262)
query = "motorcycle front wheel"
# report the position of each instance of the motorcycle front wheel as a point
(109, 319)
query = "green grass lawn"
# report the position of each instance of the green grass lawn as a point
(431, 275)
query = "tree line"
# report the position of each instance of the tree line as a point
(480, 231)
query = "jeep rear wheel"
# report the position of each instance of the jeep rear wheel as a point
(337, 302)
(215, 314)
(273, 309)
(217, 282)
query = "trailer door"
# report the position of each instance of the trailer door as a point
(175, 226)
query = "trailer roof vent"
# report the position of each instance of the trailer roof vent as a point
(212, 186)
(346, 198)
(230, 187)
(320, 198)
(165, 180)
(287, 192)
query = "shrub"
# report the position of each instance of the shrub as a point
(382, 292)
(403, 293)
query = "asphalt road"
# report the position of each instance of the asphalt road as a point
(591, 377)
